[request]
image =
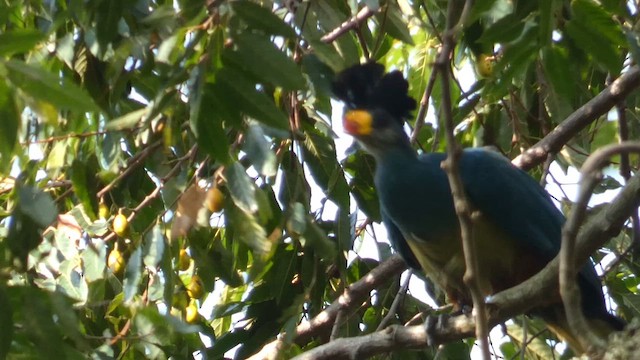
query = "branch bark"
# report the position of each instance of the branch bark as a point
(353, 297)
(502, 306)
(591, 175)
(578, 120)
(352, 23)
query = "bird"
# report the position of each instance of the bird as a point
(518, 231)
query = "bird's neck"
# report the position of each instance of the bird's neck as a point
(396, 157)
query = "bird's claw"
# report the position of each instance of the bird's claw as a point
(432, 325)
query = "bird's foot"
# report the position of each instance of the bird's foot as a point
(434, 324)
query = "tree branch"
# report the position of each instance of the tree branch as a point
(349, 301)
(462, 206)
(591, 175)
(502, 306)
(578, 120)
(352, 23)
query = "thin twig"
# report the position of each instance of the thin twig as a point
(625, 170)
(579, 119)
(519, 299)
(462, 206)
(393, 309)
(133, 163)
(336, 325)
(424, 106)
(156, 192)
(352, 23)
(591, 174)
(68, 136)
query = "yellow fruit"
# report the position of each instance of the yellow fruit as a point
(191, 312)
(184, 260)
(215, 200)
(115, 261)
(103, 211)
(484, 65)
(120, 224)
(195, 288)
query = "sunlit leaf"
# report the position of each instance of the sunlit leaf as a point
(238, 90)
(19, 41)
(10, 116)
(37, 205)
(261, 18)
(153, 247)
(258, 148)
(260, 57)
(132, 275)
(241, 188)
(43, 85)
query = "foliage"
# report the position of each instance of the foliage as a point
(207, 125)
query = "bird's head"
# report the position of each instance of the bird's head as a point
(376, 104)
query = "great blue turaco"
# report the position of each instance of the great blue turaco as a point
(517, 233)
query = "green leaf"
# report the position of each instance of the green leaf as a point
(246, 229)
(45, 86)
(633, 39)
(241, 187)
(37, 205)
(548, 9)
(236, 90)
(132, 275)
(503, 31)
(345, 229)
(320, 155)
(19, 41)
(361, 168)
(94, 261)
(38, 322)
(128, 120)
(206, 123)
(294, 185)
(10, 115)
(80, 179)
(259, 56)
(318, 240)
(153, 247)
(108, 14)
(297, 222)
(596, 33)
(261, 18)
(71, 283)
(6, 324)
(394, 24)
(258, 149)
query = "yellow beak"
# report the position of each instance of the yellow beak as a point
(357, 122)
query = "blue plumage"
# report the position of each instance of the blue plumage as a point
(517, 234)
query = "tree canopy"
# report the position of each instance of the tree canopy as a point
(170, 183)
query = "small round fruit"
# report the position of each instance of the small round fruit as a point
(103, 211)
(184, 260)
(484, 65)
(191, 312)
(115, 261)
(215, 200)
(195, 288)
(120, 224)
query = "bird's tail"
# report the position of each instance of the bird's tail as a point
(603, 324)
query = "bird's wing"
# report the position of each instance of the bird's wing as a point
(398, 242)
(512, 200)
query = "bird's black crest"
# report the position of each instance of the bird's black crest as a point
(366, 86)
